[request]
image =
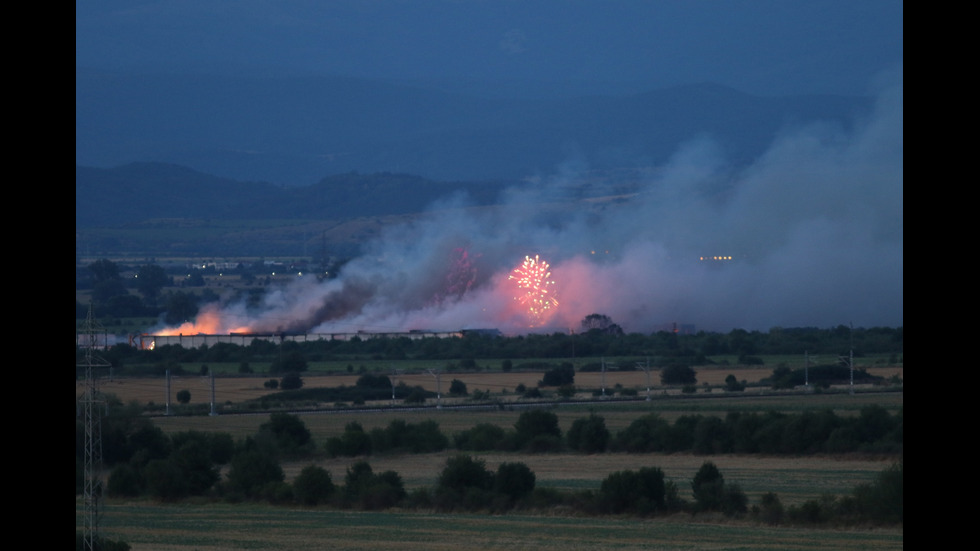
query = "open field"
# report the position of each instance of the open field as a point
(224, 527)
(237, 389)
(198, 525)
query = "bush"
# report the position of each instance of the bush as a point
(457, 388)
(588, 435)
(534, 424)
(514, 480)
(482, 437)
(353, 442)
(644, 491)
(313, 485)
(251, 470)
(561, 375)
(289, 432)
(291, 381)
(770, 510)
(678, 375)
(463, 472)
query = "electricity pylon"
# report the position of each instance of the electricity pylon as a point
(91, 403)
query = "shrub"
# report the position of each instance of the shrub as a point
(251, 470)
(457, 388)
(288, 431)
(291, 381)
(514, 480)
(678, 375)
(558, 376)
(643, 491)
(463, 472)
(770, 509)
(482, 437)
(588, 435)
(313, 485)
(184, 396)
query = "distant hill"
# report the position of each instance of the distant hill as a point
(293, 131)
(139, 192)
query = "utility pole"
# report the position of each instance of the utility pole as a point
(438, 388)
(806, 370)
(603, 377)
(214, 410)
(647, 370)
(92, 404)
(394, 373)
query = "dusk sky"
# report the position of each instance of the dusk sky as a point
(816, 223)
(766, 47)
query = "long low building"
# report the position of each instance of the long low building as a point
(149, 342)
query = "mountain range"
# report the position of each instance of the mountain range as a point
(294, 131)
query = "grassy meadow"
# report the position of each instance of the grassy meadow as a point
(226, 527)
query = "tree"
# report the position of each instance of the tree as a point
(600, 323)
(712, 494)
(457, 388)
(251, 470)
(150, 279)
(288, 431)
(165, 480)
(643, 491)
(313, 485)
(463, 472)
(559, 376)
(708, 487)
(538, 430)
(292, 362)
(678, 375)
(372, 491)
(184, 396)
(291, 381)
(588, 435)
(353, 442)
(181, 307)
(732, 384)
(514, 480)
(104, 270)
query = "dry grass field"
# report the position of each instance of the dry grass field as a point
(236, 389)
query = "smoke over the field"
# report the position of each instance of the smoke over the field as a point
(814, 229)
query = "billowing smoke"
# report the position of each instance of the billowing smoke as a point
(811, 234)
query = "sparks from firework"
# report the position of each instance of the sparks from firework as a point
(535, 288)
(460, 278)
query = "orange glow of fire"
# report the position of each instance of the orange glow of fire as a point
(208, 322)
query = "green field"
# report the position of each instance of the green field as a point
(224, 527)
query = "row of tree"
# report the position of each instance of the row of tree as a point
(189, 464)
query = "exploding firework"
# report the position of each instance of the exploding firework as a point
(535, 288)
(460, 278)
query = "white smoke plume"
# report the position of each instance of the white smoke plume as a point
(814, 229)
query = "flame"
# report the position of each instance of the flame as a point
(208, 322)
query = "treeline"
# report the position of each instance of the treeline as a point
(660, 349)
(144, 461)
